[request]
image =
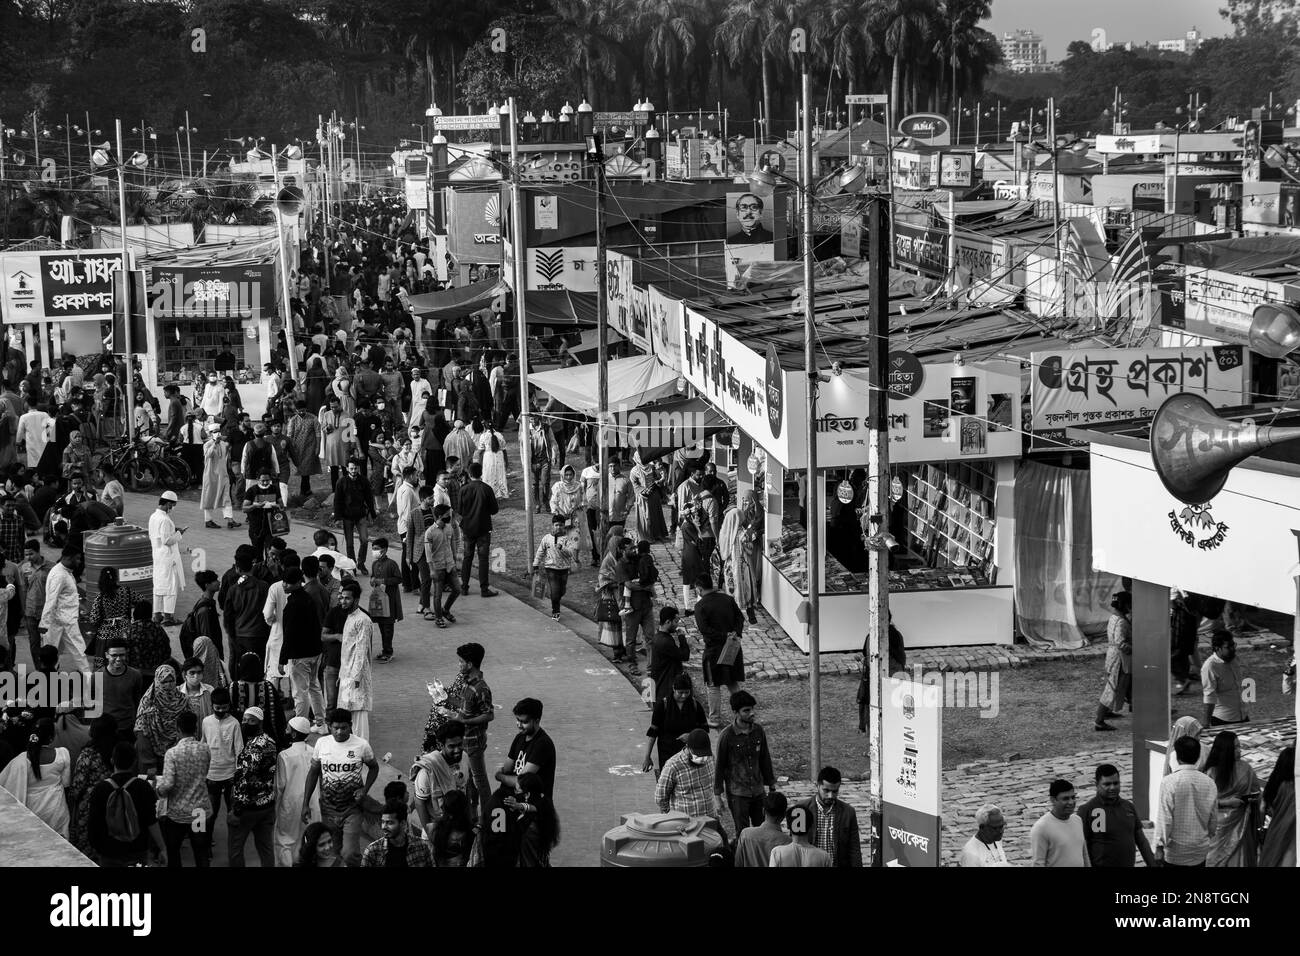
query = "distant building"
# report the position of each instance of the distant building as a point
(1188, 43)
(1024, 52)
(1100, 44)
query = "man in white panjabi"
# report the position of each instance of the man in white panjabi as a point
(168, 572)
(291, 768)
(355, 686)
(985, 847)
(60, 624)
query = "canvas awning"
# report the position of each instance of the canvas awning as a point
(560, 307)
(633, 382)
(457, 302)
(660, 429)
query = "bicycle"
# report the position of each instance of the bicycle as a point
(131, 462)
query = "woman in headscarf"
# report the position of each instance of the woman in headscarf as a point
(492, 453)
(1236, 839)
(37, 777)
(1119, 660)
(1279, 803)
(93, 764)
(692, 563)
(155, 719)
(214, 671)
(343, 389)
(317, 381)
(1185, 726)
(648, 503)
(251, 689)
(611, 631)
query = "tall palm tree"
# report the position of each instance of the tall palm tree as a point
(966, 51)
(668, 27)
(847, 33)
(757, 33)
(600, 26)
(906, 28)
(39, 209)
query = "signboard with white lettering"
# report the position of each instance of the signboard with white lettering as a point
(912, 761)
(201, 292)
(921, 248)
(39, 286)
(929, 128)
(1084, 387)
(474, 226)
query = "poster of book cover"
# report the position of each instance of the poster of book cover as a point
(974, 436)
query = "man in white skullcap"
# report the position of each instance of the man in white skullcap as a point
(168, 573)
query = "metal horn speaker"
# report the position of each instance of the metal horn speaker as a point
(1194, 449)
(289, 201)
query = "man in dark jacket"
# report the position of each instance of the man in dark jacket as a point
(744, 764)
(242, 611)
(717, 615)
(668, 651)
(478, 503)
(354, 506)
(832, 822)
(300, 653)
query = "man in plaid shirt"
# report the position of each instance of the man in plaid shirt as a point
(401, 844)
(686, 780)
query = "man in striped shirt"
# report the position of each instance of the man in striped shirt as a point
(686, 780)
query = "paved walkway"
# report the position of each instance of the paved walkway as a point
(596, 718)
(1019, 787)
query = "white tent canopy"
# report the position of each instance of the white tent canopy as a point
(632, 382)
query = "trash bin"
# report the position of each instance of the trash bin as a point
(661, 839)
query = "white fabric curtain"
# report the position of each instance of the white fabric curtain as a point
(1060, 600)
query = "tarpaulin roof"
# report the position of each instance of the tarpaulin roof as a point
(837, 144)
(661, 429)
(453, 303)
(560, 307)
(1245, 254)
(632, 383)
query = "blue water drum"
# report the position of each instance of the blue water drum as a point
(121, 546)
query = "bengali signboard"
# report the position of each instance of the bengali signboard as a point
(733, 378)
(1082, 387)
(1220, 305)
(40, 286)
(922, 248)
(562, 267)
(204, 292)
(912, 761)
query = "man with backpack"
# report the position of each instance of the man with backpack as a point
(122, 821)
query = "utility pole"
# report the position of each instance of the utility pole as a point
(878, 483)
(520, 279)
(189, 152)
(1056, 198)
(128, 345)
(285, 205)
(813, 480)
(602, 321)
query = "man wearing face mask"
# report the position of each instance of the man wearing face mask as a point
(252, 803)
(259, 500)
(213, 396)
(686, 780)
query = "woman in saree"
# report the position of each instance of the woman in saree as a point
(1235, 842)
(317, 382)
(1279, 804)
(741, 543)
(38, 776)
(648, 503)
(1119, 660)
(611, 632)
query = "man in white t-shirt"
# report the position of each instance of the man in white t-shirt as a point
(985, 847)
(438, 772)
(336, 764)
(1057, 838)
(225, 741)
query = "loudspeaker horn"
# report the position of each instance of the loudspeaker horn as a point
(289, 201)
(1194, 449)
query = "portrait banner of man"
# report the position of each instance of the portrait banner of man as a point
(749, 219)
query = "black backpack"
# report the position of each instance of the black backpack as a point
(123, 823)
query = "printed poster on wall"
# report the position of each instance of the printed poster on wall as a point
(474, 226)
(851, 236)
(638, 325)
(546, 212)
(664, 320)
(67, 285)
(618, 292)
(1082, 387)
(912, 763)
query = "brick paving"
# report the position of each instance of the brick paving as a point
(1019, 787)
(595, 717)
(770, 654)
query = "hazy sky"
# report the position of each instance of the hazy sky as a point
(1060, 21)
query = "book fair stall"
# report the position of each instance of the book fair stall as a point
(954, 444)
